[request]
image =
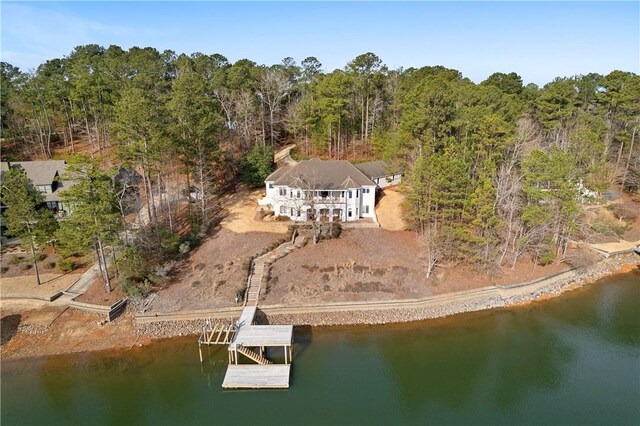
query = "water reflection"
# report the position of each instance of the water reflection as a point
(503, 354)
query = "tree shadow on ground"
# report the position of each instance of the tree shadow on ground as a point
(9, 327)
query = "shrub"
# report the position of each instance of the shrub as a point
(622, 212)
(336, 230)
(547, 258)
(15, 260)
(26, 266)
(4, 269)
(40, 256)
(247, 264)
(128, 287)
(49, 265)
(66, 265)
(609, 228)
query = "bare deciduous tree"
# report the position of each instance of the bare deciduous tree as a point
(274, 87)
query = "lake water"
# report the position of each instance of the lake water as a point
(570, 360)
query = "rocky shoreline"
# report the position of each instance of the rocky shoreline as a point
(555, 287)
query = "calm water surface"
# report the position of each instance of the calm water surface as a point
(571, 360)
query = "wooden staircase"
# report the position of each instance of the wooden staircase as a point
(253, 355)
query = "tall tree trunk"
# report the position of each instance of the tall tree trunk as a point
(366, 124)
(103, 261)
(626, 169)
(33, 255)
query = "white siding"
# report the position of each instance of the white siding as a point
(368, 200)
(282, 204)
(390, 180)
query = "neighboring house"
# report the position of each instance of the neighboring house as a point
(325, 190)
(45, 176)
(381, 173)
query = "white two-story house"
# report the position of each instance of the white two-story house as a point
(325, 190)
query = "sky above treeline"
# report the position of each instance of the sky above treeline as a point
(538, 40)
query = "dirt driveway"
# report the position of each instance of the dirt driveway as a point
(241, 208)
(389, 210)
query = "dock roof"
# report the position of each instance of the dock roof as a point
(264, 335)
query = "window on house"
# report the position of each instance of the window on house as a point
(291, 212)
(365, 191)
(357, 212)
(357, 193)
(350, 213)
(270, 186)
(366, 209)
(291, 193)
(298, 193)
(283, 192)
(283, 210)
(350, 195)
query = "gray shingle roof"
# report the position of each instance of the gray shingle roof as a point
(321, 174)
(277, 174)
(377, 169)
(39, 172)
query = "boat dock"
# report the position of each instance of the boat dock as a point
(251, 341)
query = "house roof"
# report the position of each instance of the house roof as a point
(377, 169)
(38, 172)
(320, 174)
(277, 174)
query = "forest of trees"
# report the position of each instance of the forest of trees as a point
(492, 170)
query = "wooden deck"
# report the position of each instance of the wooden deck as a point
(251, 376)
(264, 335)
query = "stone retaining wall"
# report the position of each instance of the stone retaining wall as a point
(409, 310)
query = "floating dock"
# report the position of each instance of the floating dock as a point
(252, 376)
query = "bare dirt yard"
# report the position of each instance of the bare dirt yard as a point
(217, 269)
(18, 278)
(214, 272)
(70, 331)
(240, 213)
(97, 293)
(389, 210)
(366, 265)
(25, 286)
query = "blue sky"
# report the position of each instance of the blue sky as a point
(538, 40)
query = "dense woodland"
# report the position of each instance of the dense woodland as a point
(493, 170)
